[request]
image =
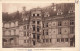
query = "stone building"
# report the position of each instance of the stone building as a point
(36, 26)
(10, 34)
(39, 29)
(24, 29)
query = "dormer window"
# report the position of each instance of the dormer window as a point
(60, 12)
(36, 15)
(33, 14)
(46, 14)
(71, 11)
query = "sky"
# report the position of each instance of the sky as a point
(13, 7)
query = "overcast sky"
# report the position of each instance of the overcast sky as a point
(12, 7)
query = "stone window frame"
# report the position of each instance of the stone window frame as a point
(59, 31)
(72, 22)
(59, 23)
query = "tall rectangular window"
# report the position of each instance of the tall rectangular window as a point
(59, 31)
(38, 36)
(25, 33)
(38, 22)
(58, 40)
(24, 41)
(71, 30)
(59, 23)
(33, 27)
(34, 36)
(37, 28)
(50, 40)
(62, 39)
(71, 22)
(46, 24)
(46, 40)
(46, 32)
(24, 27)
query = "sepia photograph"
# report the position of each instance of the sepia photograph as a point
(38, 25)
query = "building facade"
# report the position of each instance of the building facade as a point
(10, 34)
(38, 29)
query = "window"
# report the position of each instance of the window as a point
(27, 26)
(59, 13)
(34, 36)
(50, 40)
(33, 22)
(59, 23)
(43, 40)
(37, 14)
(70, 11)
(58, 40)
(25, 33)
(59, 31)
(24, 41)
(24, 27)
(38, 36)
(46, 14)
(12, 32)
(71, 22)
(46, 40)
(38, 22)
(71, 39)
(33, 14)
(37, 28)
(71, 30)
(33, 27)
(62, 39)
(46, 24)
(66, 39)
(46, 32)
